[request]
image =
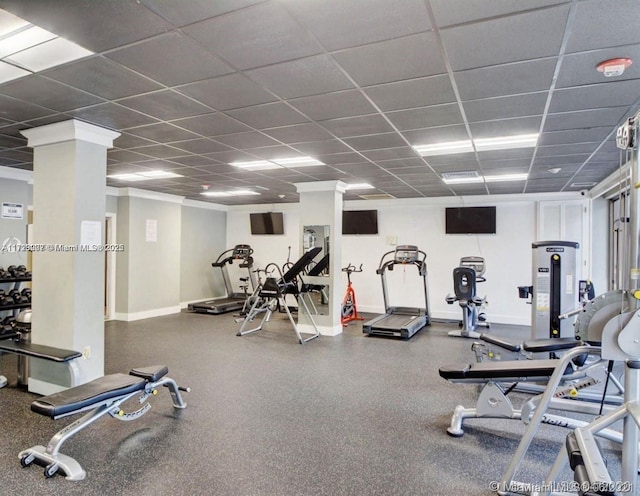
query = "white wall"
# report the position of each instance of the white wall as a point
(420, 222)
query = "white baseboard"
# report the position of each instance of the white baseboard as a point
(147, 314)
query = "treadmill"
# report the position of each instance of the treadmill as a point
(400, 322)
(232, 301)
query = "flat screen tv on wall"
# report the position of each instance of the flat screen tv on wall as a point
(360, 222)
(470, 220)
(267, 223)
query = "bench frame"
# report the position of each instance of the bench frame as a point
(54, 461)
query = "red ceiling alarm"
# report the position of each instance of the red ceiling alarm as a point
(613, 67)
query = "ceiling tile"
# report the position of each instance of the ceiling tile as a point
(126, 140)
(249, 139)
(257, 36)
(450, 12)
(585, 118)
(112, 115)
(575, 136)
(269, 152)
(379, 62)
(420, 92)
(159, 151)
(401, 163)
(298, 133)
(437, 115)
(269, 115)
(505, 107)
(11, 141)
(211, 124)
(391, 153)
(84, 22)
(126, 156)
(102, 77)
(228, 92)
(338, 24)
(183, 13)
(513, 154)
(507, 79)
(580, 68)
(376, 141)
(165, 105)
(436, 134)
(363, 170)
(49, 94)
(505, 188)
(506, 127)
(194, 160)
(302, 77)
(616, 19)
(554, 150)
(339, 158)
(526, 36)
(201, 145)
(357, 126)
(560, 160)
(322, 147)
(456, 158)
(162, 132)
(346, 103)
(189, 61)
(610, 94)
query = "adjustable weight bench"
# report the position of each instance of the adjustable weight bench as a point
(102, 396)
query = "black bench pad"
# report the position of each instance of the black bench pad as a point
(500, 370)
(39, 351)
(94, 392)
(501, 342)
(152, 373)
(551, 344)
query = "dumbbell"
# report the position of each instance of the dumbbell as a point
(11, 270)
(6, 301)
(9, 321)
(26, 292)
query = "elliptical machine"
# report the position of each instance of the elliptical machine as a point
(470, 271)
(349, 308)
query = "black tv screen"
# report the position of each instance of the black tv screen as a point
(360, 222)
(470, 220)
(267, 223)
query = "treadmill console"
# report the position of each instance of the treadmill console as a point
(406, 254)
(241, 251)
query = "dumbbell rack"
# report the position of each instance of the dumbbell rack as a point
(17, 281)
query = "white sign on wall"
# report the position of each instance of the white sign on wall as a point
(12, 210)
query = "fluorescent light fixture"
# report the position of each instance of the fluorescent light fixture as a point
(488, 179)
(446, 148)
(50, 54)
(359, 186)
(22, 40)
(462, 180)
(145, 176)
(215, 193)
(32, 49)
(506, 177)
(297, 161)
(481, 145)
(506, 142)
(9, 72)
(10, 23)
(255, 165)
(233, 192)
(276, 163)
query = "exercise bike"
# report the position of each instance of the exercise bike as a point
(349, 308)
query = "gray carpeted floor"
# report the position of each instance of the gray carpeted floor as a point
(349, 415)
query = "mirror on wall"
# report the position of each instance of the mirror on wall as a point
(318, 236)
(313, 236)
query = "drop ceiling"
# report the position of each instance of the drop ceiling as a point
(194, 85)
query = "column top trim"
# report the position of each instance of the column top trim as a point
(70, 130)
(338, 186)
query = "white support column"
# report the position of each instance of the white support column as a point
(69, 197)
(321, 205)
